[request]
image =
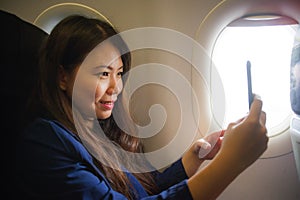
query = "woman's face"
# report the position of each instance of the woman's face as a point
(97, 82)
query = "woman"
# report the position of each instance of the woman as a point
(74, 149)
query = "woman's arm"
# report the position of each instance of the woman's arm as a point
(243, 143)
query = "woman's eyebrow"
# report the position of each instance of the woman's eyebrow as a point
(108, 67)
(100, 67)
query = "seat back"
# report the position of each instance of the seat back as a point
(20, 44)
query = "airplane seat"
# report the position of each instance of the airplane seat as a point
(20, 43)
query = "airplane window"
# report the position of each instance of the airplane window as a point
(269, 49)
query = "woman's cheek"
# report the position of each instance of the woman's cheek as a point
(120, 86)
(83, 97)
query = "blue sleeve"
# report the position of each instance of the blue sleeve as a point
(179, 191)
(170, 176)
(172, 183)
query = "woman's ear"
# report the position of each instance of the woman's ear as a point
(63, 78)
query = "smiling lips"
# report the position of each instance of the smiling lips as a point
(107, 105)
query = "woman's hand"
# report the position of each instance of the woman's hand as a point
(207, 147)
(203, 149)
(246, 139)
(243, 142)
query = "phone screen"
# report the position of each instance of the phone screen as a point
(249, 80)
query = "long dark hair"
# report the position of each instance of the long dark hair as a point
(67, 46)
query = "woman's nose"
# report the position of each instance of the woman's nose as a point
(113, 86)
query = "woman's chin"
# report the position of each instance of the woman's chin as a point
(103, 115)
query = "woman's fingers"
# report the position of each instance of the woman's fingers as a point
(256, 110)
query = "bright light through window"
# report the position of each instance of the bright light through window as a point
(269, 50)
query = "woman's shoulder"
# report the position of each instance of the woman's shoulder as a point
(45, 127)
(50, 133)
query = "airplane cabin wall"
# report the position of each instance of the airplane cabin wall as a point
(202, 20)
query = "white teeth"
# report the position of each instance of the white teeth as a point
(105, 102)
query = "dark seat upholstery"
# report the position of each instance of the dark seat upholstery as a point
(20, 43)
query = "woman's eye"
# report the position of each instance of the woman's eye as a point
(120, 73)
(105, 74)
(101, 74)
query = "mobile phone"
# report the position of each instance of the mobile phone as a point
(249, 80)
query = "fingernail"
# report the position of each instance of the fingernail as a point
(257, 96)
(205, 145)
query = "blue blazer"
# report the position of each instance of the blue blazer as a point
(53, 164)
